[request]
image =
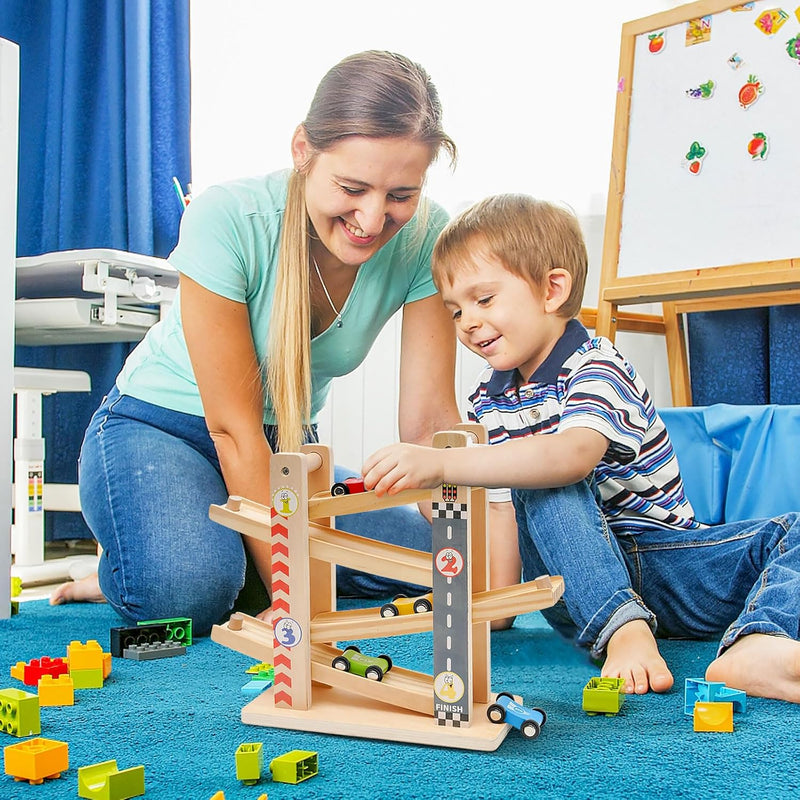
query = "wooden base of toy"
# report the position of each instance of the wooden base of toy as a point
(344, 714)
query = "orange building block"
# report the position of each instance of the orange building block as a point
(36, 759)
(85, 656)
(58, 691)
(713, 717)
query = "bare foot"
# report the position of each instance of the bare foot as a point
(632, 654)
(761, 666)
(86, 590)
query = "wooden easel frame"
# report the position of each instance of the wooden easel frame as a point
(716, 288)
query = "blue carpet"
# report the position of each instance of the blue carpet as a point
(180, 718)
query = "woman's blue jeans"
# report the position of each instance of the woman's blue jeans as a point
(730, 580)
(147, 477)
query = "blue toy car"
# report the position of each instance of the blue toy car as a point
(528, 721)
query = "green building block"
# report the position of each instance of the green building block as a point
(249, 762)
(87, 678)
(603, 696)
(294, 766)
(104, 781)
(179, 629)
(19, 713)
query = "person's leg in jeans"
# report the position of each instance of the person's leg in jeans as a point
(563, 532)
(147, 478)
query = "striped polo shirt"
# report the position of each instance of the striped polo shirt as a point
(587, 383)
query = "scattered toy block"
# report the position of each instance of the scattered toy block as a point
(603, 696)
(19, 713)
(218, 796)
(125, 637)
(255, 687)
(85, 656)
(179, 629)
(87, 678)
(713, 717)
(56, 691)
(261, 668)
(697, 690)
(16, 591)
(104, 781)
(30, 673)
(294, 766)
(249, 762)
(36, 760)
(148, 652)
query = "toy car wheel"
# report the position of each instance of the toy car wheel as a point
(496, 713)
(529, 729)
(353, 648)
(422, 605)
(389, 610)
(342, 663)
(373, 673)
(505, 694)
(544, 716)
(338, 489)
(388, 661)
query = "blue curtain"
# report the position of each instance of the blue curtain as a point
(745, 357)
(104, 125)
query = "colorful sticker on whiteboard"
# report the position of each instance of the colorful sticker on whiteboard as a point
(750, 92)
(793, 48)
(698, 30)
(797, 13)
(735, 61)
(744, 7)
(658, 41)
(757, 146)
(701, 92)
(771, 21)
(694, 158)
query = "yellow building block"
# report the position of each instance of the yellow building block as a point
(713, 717)
(85, 656)
(36, 759)
(58, 691)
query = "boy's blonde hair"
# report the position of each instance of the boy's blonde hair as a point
(530, 237)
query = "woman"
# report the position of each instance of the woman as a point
(286, 281)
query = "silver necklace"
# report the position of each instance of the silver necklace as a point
(327, 293)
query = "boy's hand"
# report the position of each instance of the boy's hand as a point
(403, 466)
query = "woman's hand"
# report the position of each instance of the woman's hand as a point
(403, 466)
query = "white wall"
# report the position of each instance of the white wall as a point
(528, 90)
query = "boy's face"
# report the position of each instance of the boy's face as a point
(502, 317)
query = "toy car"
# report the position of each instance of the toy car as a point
(407, 605)
(352, 660)
(528, 721)
(348, 486)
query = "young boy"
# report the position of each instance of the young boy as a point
(595, 483)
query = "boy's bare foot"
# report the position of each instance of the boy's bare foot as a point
(632, 654)
(86, 590)
(760, 665)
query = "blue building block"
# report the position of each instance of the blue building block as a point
(255, 687)
(698, 690)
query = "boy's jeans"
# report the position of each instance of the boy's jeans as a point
(731, 579)
(147, 477)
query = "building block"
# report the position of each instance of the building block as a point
(16, 591)
(179, 629)
(603, 696)
(148, 652)
(87, 678)
(294, 766)
(713, 717)
(262, 667)
(104, 781)
(58, 691)
(697, 690)
(30, 673)
(255, 687)
(249, 762)
(36, 760)
(218, 796)
(19, 713)
(124, 637)
(85, 656)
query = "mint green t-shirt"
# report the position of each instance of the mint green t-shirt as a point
(228, 243)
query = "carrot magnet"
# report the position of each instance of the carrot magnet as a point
(750, 92)
(758, 146)
(658, 41)
(702, 92)
(771, 21)
(793, 47)
(694, 158)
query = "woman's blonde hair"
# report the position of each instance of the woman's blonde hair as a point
(375, 94)
(528, 236)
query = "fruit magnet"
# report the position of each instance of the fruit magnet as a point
(750, 92)
(757, 146)
(771, 21)
(694, 158)
(703, 91)
(793, 48)
(658, 42)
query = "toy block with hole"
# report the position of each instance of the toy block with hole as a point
(178, 629)
(603, 696)
(249, 762)
(104, 781)
(294, 766)
(19, 713)
(36, 760)
(697, 690)
(58, 691)
(122, 638)
(713, 717)
(30, 673)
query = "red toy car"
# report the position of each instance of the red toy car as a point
(348, 486)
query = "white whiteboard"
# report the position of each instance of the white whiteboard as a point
(736, 210)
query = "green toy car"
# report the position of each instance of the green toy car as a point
(352, 660)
